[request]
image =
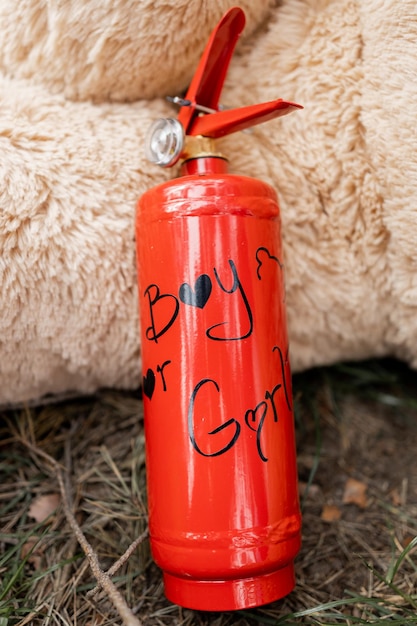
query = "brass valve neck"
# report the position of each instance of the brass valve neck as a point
(199, 147)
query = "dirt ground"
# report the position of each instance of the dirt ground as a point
(357, 441)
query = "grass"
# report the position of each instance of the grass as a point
(353, 421)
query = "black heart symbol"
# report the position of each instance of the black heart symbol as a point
(251, 415)
(149, 383)
(201, 293)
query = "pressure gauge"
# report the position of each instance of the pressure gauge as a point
(165, 142)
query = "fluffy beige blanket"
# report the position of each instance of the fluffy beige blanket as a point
(80, 83)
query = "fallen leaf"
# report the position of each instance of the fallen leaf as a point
(312, 491)
(33, 551)
(331, 513)
(407, 540)
(395, 497)
(43, 506)
(355, 493)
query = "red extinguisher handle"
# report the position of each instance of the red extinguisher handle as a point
(167, 137)
(208, 80)
(230, 121)
(207, 83)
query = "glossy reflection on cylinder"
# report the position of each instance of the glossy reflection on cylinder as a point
(224, 517)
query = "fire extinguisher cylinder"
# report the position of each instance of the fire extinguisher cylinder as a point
(224, 516)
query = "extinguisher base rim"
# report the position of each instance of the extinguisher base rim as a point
(229, 595)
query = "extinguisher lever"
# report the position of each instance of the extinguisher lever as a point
(199, 113)
(208, 80)
(225, 122)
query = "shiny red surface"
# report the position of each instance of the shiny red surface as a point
(222, 486)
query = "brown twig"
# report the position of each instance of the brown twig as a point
(102, 578)
(117, 565)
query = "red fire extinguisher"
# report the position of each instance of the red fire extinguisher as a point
(224, 517)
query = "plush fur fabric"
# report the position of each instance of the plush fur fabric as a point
(111, 50)
(80, 84)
